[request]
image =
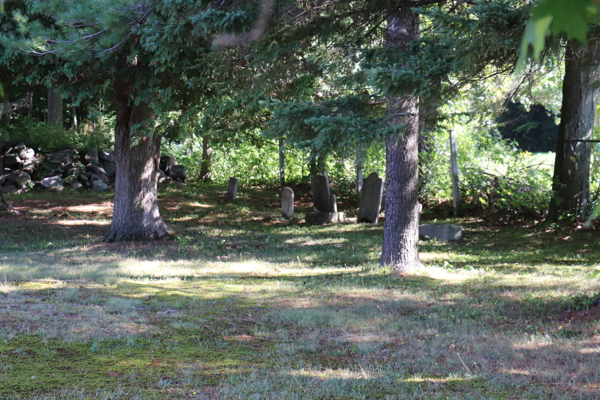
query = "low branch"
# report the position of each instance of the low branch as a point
(583, 140)
(11, 107)
(255, 33)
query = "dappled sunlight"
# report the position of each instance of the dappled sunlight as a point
(82, 222)
(91, 208)
(342, 374)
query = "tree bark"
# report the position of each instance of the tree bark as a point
(360, 166)
(55, 108)
(281, 161)
(580, 92)
(136, 215)
(401, 226)
(205, 166)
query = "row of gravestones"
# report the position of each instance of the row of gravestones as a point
(371, 195)
(325, 204)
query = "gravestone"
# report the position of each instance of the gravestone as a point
(332, 203)
(232, 189)
(442, 232)
(371, 194)
(287, 203)
(321, 193)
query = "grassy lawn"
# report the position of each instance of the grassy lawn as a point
(241, 304)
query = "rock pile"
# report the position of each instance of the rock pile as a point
(170, 171)
(18, 162)
(91, 169)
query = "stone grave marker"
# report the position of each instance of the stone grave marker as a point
(370, 199)
(287, 203)
(321, 193)
(232, 188)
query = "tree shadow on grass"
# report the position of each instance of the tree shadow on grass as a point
(281, 336)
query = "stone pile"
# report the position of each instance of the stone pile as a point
(170, 171)
(92, 169)
(18, 162)
(25, 169)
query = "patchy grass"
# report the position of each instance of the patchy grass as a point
(241, 304)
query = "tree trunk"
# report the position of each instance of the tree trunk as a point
(55, 108)
(74, 124)
(401, 226)
(135, 213)
(360, 166)
(281, 162)
(205, 166)
(313, 163)
(580, 92)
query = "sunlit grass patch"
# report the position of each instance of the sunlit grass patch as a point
(236, 306)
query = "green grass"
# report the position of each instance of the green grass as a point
(241, 304)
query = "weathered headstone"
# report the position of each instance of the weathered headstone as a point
(287, 203)
(325, 218)
(321, 193)
(442, 232)
(232, 188)
(332, 203)
(370, 199)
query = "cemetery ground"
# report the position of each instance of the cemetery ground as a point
(242, 304)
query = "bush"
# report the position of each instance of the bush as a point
(47, 139)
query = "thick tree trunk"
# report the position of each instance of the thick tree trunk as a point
(135, 213)
(205, 166)
(55, 108)
(580, 92)
(401, 227)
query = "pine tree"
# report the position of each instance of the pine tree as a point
(151, 57)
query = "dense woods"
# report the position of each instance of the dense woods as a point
(280, 91)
